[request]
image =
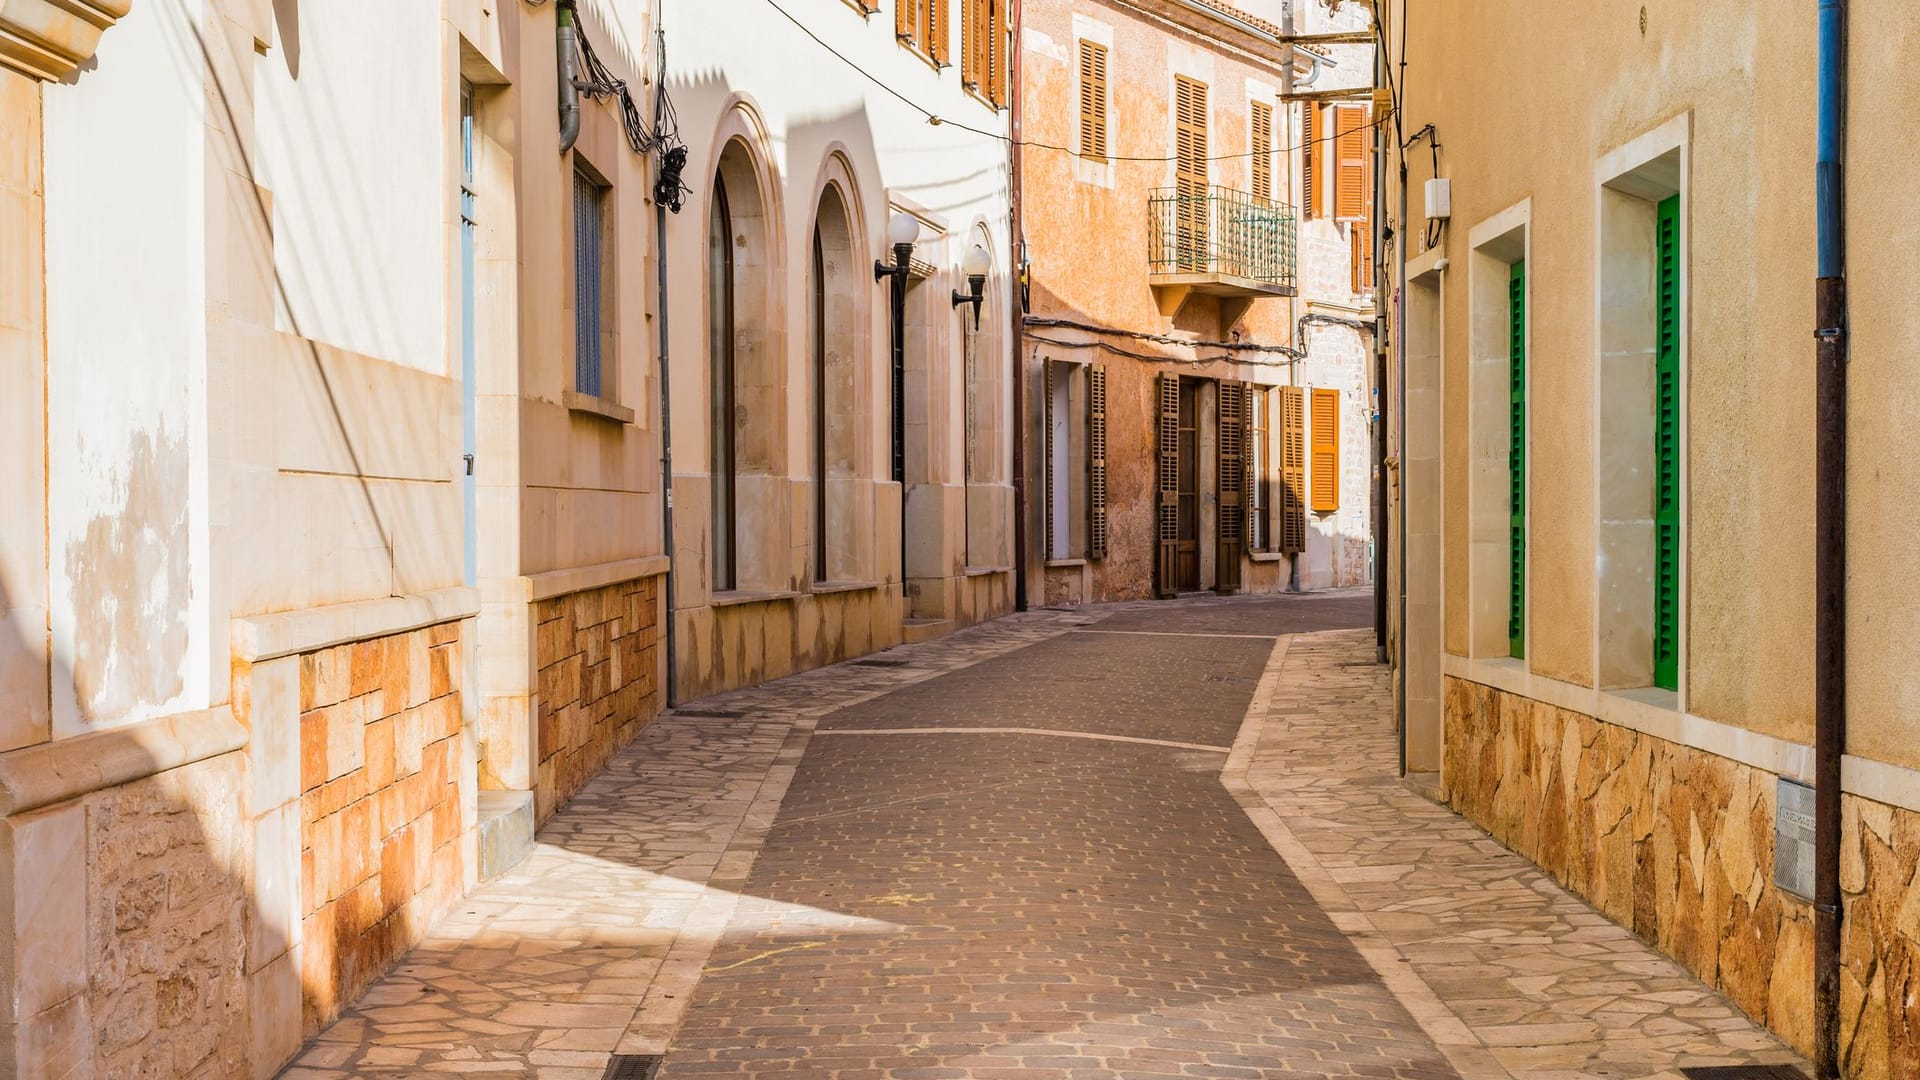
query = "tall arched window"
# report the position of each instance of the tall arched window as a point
(720, 309)
(835, 297)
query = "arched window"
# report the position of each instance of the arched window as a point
(833, 323)
(720, 311)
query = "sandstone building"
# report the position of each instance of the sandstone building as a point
(1609, 446)
(1196, 341)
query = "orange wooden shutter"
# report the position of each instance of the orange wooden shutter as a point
(1262, 151)
(1362, 240)
(1093, 100)
(1293, 470)
(1350, 195)
(1309, 131)
(906, 18)
(997, 48)
(939, 43)
(1326, 450)
(1190, 171)
(973, 57)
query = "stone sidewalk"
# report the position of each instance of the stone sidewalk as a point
(1138, 840)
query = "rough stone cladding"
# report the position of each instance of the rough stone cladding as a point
(167, 911)
(595, 651)
(1677, 844)
(380, 730)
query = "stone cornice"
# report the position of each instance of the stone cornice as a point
(48, 39)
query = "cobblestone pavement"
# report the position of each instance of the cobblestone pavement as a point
(1136, 840)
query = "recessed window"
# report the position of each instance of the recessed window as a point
(590, 253)
(1093, 100)
(922, 26)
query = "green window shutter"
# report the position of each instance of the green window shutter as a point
(1666, 514)
(1517, 461)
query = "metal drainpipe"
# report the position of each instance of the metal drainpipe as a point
(1830, 532)
(565, 50)
(670, 695)
(1016, 241)
(1401, 240)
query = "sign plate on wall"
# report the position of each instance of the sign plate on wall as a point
(1793, 839)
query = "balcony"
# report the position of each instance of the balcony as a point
(1218, 242)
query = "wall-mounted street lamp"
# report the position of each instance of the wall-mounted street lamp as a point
(975, 266)
(902, 230)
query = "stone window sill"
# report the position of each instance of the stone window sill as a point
(736, 597)
(1650, 696)
(589, 405)
(983, 571)
(1267, 556)
(1065, 564)
(843, 586)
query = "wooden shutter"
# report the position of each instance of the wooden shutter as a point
(1233, 485)
(939, 41)
(1361, 239)
(1097, 461)
(1350, 194)
(973, 47)
(1262, 152)
(1093, 100)
(1168, 479)
(1309, 138)
(1517, 460)
(1293, 470)
(1190, 171)
(1326, 451)
(1666, 515)
(997, 48)
(906, 19)
(1046, 449)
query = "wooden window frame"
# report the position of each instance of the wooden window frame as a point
(1093, 72)
(1324, 429)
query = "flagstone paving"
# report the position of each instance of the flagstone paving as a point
(1135, 840)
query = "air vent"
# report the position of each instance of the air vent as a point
(1743, 1072)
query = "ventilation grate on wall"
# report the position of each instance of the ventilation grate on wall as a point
(632, 1067)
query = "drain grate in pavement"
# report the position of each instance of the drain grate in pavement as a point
(717, 714)
(632, 1067)
(1742, 1072)
(879, 663)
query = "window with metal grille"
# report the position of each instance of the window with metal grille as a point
(1259, 470)
(1517, 460)
(1093, 100)
(589, 272)
(1666, 603)
(1262, 151)
(922, 26)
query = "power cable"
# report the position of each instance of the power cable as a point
(939, 121)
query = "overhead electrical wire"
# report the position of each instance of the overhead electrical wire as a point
(941, 121)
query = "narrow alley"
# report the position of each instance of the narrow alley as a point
(1132, 840)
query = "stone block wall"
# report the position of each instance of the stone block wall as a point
(167, 909)
(596, 656)
(380, 809)
(1677, 844)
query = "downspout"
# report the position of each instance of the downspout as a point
(1830, 533)
(565, 50)
(1017, 313)
(670, 695)
(1400, 399)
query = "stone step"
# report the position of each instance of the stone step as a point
(506, 831)
(918, 630)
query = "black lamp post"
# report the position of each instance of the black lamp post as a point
(975, 266)
(902, 230)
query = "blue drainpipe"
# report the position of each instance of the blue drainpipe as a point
(1830, 533)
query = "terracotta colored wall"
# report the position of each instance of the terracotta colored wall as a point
(595, 651)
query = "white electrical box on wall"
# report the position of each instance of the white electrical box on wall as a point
(1439, 199)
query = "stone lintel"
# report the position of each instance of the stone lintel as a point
(52, 772)
(48, 39)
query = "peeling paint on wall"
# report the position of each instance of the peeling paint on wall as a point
(132, 585)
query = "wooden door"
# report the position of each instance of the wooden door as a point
(1186, 566)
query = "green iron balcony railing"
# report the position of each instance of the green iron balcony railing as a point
(1219, 231)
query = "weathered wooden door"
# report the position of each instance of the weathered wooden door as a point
(1233, 485)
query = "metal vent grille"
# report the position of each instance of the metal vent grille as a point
(632, 1067)
(1743, 1072)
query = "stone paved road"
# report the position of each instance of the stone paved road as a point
(1140, 840)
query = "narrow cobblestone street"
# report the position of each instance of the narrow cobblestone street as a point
(1146, 840)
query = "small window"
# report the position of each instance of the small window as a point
(589, 282)
(1093, 101)
(1262, 152)
(1325, 466)
(922, 25)
(1076, 460)
(1259, 471)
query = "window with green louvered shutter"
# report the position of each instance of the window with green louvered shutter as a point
(1666, 515)
(1517, 460)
